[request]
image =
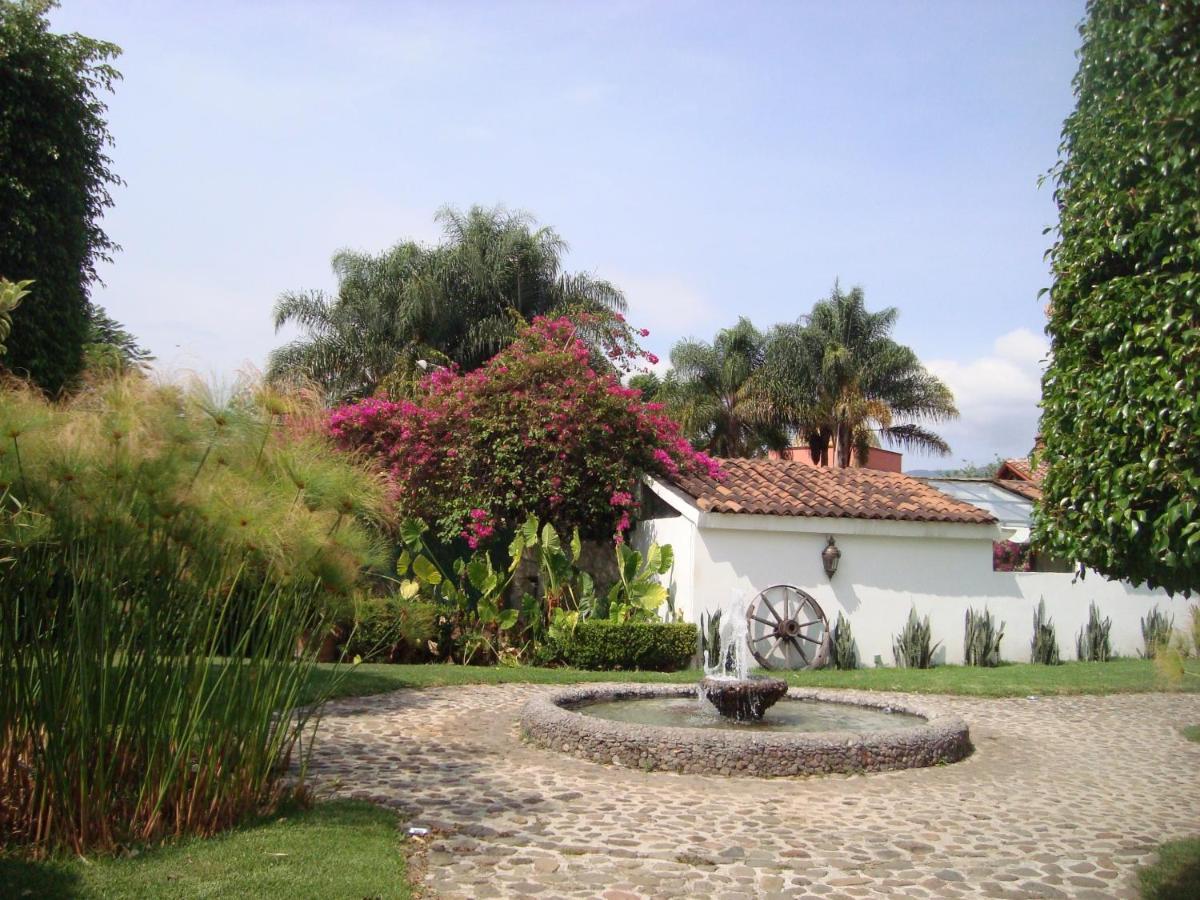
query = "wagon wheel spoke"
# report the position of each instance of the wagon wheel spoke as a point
(767, 636)
(812, 622)
(805, 637)
(767, 601)
(787, 606)
(764, 621)
(799, 649)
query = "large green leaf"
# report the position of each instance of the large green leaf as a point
(403, 563)
(411, 531)
(425, 570)
(550, 542)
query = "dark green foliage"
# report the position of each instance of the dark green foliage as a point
(391, 629)
(1120, 418)
(1044, 646)
(714, 392)
(54, 184)
(1157, 627)
(981, 643)
(843, 654)
(912, 647)
(109, 346)
(457, 303)
(655, 646)
(1092, 643)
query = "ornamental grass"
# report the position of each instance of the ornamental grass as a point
(169, 561)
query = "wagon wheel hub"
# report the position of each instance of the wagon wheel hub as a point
(787, 629)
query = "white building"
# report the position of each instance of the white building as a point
(904, 544)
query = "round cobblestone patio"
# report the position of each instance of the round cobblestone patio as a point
(1064, 797)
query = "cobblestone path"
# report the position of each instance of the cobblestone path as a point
(1063, 797)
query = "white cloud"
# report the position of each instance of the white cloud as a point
(997, 398)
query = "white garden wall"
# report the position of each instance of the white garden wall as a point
(886, 569)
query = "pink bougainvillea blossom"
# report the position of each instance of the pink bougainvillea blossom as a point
(535, 430)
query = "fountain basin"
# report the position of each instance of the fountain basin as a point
(554, 721)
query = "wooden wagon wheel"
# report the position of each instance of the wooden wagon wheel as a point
(787, 629)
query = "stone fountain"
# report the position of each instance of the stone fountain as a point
(729, 686)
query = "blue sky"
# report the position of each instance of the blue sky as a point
(713, 159)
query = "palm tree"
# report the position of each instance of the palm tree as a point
(712, 390)
(843, 384)
(459, 302)
(352, 340)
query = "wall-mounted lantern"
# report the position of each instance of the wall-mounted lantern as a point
(831, 556)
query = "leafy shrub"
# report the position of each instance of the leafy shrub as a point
(981, 643)
(912, 647)
(391, 629)
(1156, 631)
(171, 551)
(11, 295)
(638, 594)
(1119, 395)
(651, 646)
(1044, 646)
(469, 595)
(1092, 643)
(536, 431)
(843, 653)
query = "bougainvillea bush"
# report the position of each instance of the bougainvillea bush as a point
(537, 430)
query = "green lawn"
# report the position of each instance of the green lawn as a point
(1192, 733)
(1013, 680)
(1176, 874)
(341, 849)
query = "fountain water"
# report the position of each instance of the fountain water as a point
(729, 686)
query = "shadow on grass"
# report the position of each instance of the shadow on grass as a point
(20, 878)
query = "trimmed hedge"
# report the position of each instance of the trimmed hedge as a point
(654, 646)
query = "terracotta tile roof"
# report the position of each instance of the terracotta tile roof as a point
(1019, 469)
(780, 487)
(1030, 490)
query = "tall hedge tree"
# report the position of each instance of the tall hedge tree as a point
(55, 178)
(1121, 415)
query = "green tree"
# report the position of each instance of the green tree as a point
(1120, 416)
(459, 302)
(841, 382)
(54, 183)
(714, 392)
(110, 346)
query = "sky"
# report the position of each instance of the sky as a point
(714, 160)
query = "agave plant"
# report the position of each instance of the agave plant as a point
(1157, 628)
(913, 647)
(1092, 643)
(843, 651)
(1044, 647)
(981, 644)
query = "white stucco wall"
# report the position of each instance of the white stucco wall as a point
(888, 568)
(680, 534)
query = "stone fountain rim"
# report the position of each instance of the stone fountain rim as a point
(552, 720)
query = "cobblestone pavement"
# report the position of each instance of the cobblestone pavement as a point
(1063, 797)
